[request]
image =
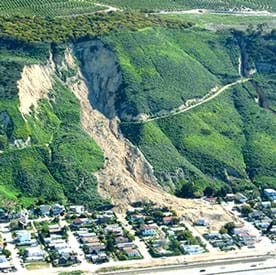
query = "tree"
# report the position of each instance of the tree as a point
(230, 226)
(209, 191)
(158, 215)
(110, 243)
(6, 253)
(223, 230)
(245, 210)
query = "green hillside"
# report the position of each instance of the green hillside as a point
(164, 68)
(230, 139)
(61, 154)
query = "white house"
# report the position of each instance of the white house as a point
(34, 254)
(4, 263)
(192, 249)
(270, 193)
(23, 236)
(77, 209)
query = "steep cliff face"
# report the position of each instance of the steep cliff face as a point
(35, 83)
(95, 84)
(102, 73)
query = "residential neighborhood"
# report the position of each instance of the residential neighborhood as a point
(64, 236)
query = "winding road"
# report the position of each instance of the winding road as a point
(184, 108)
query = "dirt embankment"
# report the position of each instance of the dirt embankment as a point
(35, 83)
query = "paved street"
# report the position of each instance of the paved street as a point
(140, 244)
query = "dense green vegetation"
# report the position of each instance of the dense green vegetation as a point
(230, 139)
(187, 65)
(48, 8)
(59, 162)
(190, 4)
(33, 28)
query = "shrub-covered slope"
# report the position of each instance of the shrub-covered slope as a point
(226, 142)
(164, 68)
(44, 155)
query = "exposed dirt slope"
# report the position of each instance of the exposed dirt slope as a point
(35, 83)
(127, 176)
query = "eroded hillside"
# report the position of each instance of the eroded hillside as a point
(68, 122)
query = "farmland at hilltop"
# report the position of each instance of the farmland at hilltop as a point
(191, 4)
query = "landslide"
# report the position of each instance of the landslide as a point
(126, 176)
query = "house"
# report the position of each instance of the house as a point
(246, 239)
(263, 225)
(163, 242)
(34, 254)
(168, 220)
(4, 263)
(109, 213)
(240, 198)
(82, 234)
(99, 258)
(256, 214)
(212, 236)
(81, 231)
(131, 252)
(4, 216)
(53, 243)
(270, 194)
(171, 233)
(121, 240)
(45, 210)
(24, 217)
(161, 251)
(273, 229)
(149, 230)
(77, 209)
(63, 249)
(23, 236)
(53, 237)
(137, 217)
(115, 229)
(266, 204)
(86, 240)
(54, 228)
(57, 209)
(230, 197)
(95, 248)
(273, 212)
(77, 222)
(168, 214)
(124, 245)
(191, 249)
(101, 219)
(201, 222)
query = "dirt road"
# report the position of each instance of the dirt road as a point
(184, 108)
